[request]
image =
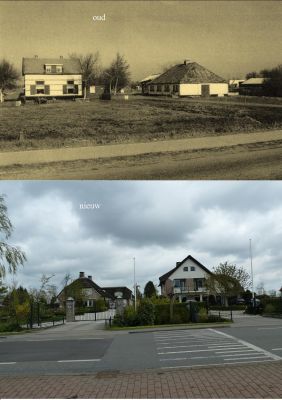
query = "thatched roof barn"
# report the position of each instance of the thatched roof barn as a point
(189, 78)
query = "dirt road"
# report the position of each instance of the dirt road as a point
(242, 156)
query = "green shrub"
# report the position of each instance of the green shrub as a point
(269, 309)
(180, 314)
(203, 316)
(146, 312)
(10, 326)
(130, 316)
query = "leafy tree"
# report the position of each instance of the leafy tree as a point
(8, 77)
(117, 75)
(273, 83)
(150, 290)
(228, 280)
(10, 256)
(90, 67)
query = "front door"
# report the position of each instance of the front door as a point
(205, 90)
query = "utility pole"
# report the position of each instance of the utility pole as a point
(252, 275)
(134, 283)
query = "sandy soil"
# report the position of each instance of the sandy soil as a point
(260, 160)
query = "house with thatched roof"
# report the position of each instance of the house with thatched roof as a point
(51, 77)
(188, 79)
(145, 82)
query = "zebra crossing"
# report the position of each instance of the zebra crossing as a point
(189, 348)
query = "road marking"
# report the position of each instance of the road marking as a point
(215, 365)
(274, 327)
(7, 363)
(279, 348)
(243, 342)
(196, 345)
(245, 358)
(69, 361)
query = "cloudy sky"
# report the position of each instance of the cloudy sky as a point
(229, 37)
(159, 223)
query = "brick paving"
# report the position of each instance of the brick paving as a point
(258, 380)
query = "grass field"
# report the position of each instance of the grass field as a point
(139, 119)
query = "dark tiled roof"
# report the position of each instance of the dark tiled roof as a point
(164, 277)
(191, 72)
(127, 293)
(85, 283)
(36, 65)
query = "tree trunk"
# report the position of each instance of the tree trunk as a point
(85, 92)
(1, 96)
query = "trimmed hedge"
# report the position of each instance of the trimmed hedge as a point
(180, 314)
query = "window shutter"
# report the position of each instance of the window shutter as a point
(32, 89)
(47, 89)
(75, 89)
(65, 90)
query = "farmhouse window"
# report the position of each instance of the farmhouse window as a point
(175, 88)
(59, 69)
(40, 91)
(152, 88)
(159, 88)
(166, 88)
(192, 268)
(185, 269)
(48, 69)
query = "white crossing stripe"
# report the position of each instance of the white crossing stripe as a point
(7, 363)
(279, 348)
(273, 356)
(69, 361)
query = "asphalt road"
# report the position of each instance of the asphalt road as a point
(79, 349)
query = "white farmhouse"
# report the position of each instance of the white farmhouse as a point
(51, 77)
(188, 79)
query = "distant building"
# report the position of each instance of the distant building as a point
(188, 79)
(84, 291)
(252, 87)
(120, 293)
(234, 85)
(52, 77)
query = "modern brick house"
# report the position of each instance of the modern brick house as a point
(186, 280)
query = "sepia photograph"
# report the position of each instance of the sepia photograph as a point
(140, 289)
(140, 90)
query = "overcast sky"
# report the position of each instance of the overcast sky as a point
(229, 37)
(159, 223)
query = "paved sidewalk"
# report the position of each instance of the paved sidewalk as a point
(132, 149)
(258, 380)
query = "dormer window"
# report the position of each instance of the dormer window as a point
(53, 68)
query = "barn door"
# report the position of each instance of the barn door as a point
(205, 90)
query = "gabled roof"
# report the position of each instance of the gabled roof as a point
(127, 293)
(164, 277)
(190, 72)
(36, 65)
(86, 283)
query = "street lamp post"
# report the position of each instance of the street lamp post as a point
(252, 275)
(134, 287)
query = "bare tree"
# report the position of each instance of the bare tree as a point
(90, 67)
(117, 75)
(8, 77)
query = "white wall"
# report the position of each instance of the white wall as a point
(195, 89)
(181, 274)
(56, 83)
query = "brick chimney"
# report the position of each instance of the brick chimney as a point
(177, 263)
(187, 61)
(81, 274)
(90, 277)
